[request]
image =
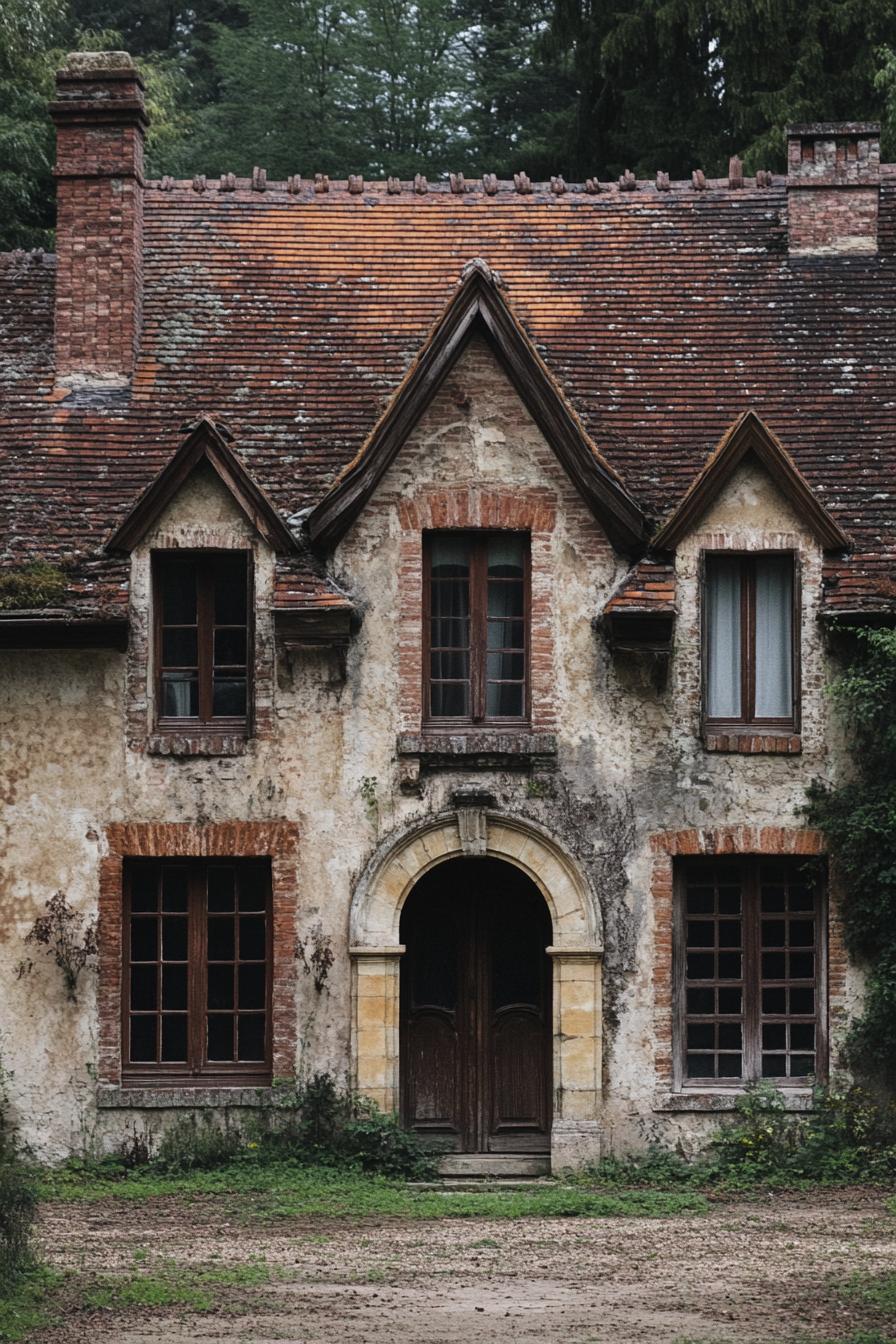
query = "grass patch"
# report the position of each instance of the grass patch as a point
(288, 1190)
(171, 1285)
(29, 1305)
(876, 1292)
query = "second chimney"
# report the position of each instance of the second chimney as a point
(100, 121)
(833, 184)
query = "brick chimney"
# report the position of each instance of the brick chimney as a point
(100, 121)
(833, 177)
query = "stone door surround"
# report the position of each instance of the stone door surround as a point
(576, 952)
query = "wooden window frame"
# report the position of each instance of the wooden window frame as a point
(479, 539)
(196, 1071)
(751, 977)
(747, 720)
(205, 562)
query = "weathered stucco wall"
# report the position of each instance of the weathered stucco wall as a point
(630, 764)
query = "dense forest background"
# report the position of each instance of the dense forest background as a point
(578, 87)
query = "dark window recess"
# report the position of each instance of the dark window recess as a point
(748, 970)
(750, 660)
(202, 640)
(196, 984)
(476, 635)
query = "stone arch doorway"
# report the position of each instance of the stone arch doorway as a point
(475, 1020)
(575, 954)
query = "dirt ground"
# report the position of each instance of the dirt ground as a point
(765, 1270)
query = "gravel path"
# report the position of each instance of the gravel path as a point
(750, 1271)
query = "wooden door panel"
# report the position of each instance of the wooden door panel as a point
(475, 1030)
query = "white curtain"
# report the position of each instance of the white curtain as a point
(774, 637)
(723, 631)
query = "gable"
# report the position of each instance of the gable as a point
(479, 309)
(750, 437)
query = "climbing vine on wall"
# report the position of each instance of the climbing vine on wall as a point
(65, 936)
(858, 816)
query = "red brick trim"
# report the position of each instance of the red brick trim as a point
(523, 510)
(665, 848)
(277, 840)
(754, 744)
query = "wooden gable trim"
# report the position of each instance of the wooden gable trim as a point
(206, 441)
(750, 435)
(479, 307)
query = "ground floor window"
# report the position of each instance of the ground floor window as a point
(197, 960)
(749, 961)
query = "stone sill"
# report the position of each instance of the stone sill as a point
(753, 743)
(111, 1097)
(506, 746)
(795, 1099)
(199, 744)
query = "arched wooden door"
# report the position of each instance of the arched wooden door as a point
(476, 1009)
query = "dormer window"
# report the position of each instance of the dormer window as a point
(476, 628)
(750, 641)
(202, 608)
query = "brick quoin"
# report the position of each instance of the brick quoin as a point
(531, 510)
(100, 121)
(768, 840)
(276, 840)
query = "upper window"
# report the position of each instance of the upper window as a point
(476, 627)
(202, 640)
(749, 949)
(197, 970)
(750, 640)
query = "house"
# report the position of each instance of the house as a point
(426, 656)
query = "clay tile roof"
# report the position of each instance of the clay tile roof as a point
(648, 589)
(294, 314)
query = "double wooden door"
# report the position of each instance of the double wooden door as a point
(475, 1010)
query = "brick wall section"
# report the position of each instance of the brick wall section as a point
(833, 189)
(522, 510)
(771, 840)
(277, 840)
(99, 232)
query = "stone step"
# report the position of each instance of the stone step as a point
(492, 1165)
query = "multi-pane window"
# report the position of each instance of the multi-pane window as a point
(749, 948)
(196, 983)
(476, 627)
(202, 632)
(749, 632)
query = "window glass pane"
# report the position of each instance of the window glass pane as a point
(450, 555)
(221, 939)
(506, 634)
(144, 939)
(174, 939)
(504, 700)
(175, 884)
(180, 696)
(143, 1039)
(252, 986)
(229, 697)
(723, 597)
(145, 888)
(774, 642)
(252, 938)
(230, 648)
(178, 587)
(231, 590)
(450, 700)
(220, 888)
(505, 600)
(506, 556)
(179, 647)
(174, 987)
(220, 1037)
(174, 1038)
(250, 1034)
(144, 987)
(220, 987)
(449, 666)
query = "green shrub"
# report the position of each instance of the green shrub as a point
(313, 1124)
(18, 1200)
